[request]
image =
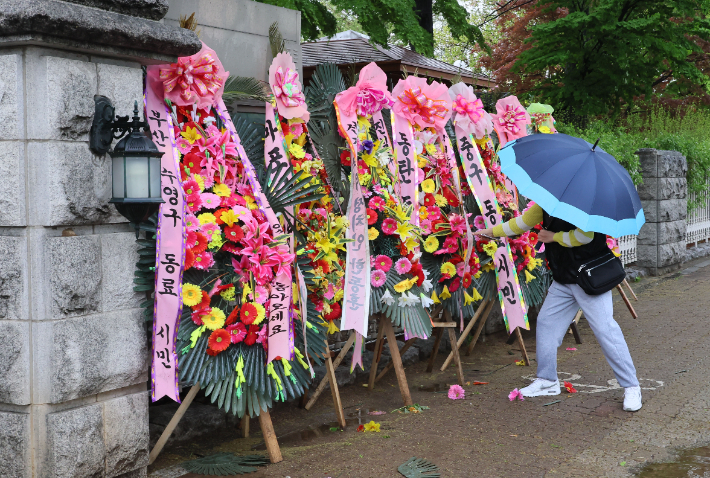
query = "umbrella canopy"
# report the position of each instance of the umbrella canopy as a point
(574, 181)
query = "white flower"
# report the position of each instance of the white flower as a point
(408, 299)
(384, 157)
(387, 298)
(427, 285)
(426, 301)
(416, 257)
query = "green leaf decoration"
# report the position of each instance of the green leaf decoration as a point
(244, 88)
(418, 468)
(225, 464)
(276, 40)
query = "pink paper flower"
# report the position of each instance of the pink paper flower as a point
(456, 392)
(197, 79)
(456, 221)
(515, 394)
(511, 120)
(377, 278)
(209, 200)
(183, 145)
(191, 223)
(284, 82)
(204, 260)
(368, 96)
(237, 332)
(479, 222)
(377, 203)
(403, 266)
(468, 111)
(422, 104)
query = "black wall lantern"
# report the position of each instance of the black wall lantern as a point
(135, 161)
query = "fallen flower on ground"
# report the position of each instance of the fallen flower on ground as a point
(456, 392)
(515, 394)
(570, 388)
(376, 412)
(372, 427)
(520, 362)
(572, 348)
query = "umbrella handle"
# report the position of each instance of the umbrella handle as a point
(596, 143)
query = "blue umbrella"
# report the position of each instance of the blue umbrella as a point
(575, 181)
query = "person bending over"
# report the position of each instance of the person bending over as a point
(567, 248)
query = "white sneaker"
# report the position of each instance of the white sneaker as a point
(632, 399)
(541, 387)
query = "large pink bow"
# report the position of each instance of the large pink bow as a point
(287, 88)
(196, 77)
(417, 103)
(474, 109)
(512, 118)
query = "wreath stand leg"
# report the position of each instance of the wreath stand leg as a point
(626, 301)
(173, 423)
(479, 313)
(626, 283)
(521, 343)
(451, 325)
(245, 425)
(573, 327)
(267, 430)
(390, 364)
(386, 324)
(379, 345)
(330, 373)
(326, 379)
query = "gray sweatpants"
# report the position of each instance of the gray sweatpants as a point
(556, 315)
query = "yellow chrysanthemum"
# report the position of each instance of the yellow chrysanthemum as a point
(228, 294)
(448, 268)
(365, 179)
(431, 244)
(431, 149)
(372, 234)
(490, 248)
(441, 200)
(423, 213)
(296, 151)
(340, 293)
(191, 294)
(428, 185)
(260, 312)
(207, 217)
(251, 204)
(488, 267)
(221, 190)
(216, 242)
(214, 319)
(403, 286)
(421, 161)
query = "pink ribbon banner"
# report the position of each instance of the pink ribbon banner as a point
(280, 338)
(356, 300)
(511, 297)
(407, 165)
(170, 251)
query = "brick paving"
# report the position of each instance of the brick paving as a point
(586, 434)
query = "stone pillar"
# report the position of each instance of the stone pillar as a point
(73, 344)
(661, 241)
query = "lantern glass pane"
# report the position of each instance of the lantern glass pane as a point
(137, 177)
(117, 175)
(155, 177)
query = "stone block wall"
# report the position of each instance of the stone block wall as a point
(73, 385)
(661, 246)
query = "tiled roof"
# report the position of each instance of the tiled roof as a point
(359, 50)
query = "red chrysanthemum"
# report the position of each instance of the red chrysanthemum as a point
(204, 303)
(451, 197)
(199, 243)
(252, 335)
(455, 284)
(204, 260)
(532, 238)
(229, 247)
(248, 314)
(197, 316)
(335, 312)
(234, 233)
(219, 340)
(429, 200)
(232, 317)
(323, 264)
(371, 216)
(467, 280)
(238, 331)
(345, 158)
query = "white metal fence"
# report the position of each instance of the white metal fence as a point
(627, 247)
(698, 221)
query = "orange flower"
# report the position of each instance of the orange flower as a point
(219, 340)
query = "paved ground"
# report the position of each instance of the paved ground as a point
(584, 435)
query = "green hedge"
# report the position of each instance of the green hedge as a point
(659, 129)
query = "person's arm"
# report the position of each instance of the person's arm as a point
(531, 218)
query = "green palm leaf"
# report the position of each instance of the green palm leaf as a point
(419, 468)
(225, 464)
(244, 88)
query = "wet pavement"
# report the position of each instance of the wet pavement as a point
(586, 434)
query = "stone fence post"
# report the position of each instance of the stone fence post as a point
(661, 241)
(73, 345)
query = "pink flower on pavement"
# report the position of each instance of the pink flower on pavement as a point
(515, 394)
(456, 392)
(378, 278)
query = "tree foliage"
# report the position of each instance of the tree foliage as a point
(384, 20)
(602, 55)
